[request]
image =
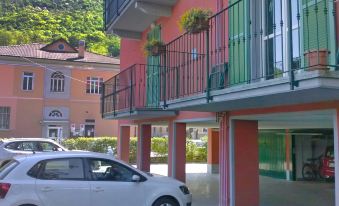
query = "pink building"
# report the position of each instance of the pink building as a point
(53, 91)
(261, 66)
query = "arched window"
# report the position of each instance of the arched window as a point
(55, 114)
(57, 82)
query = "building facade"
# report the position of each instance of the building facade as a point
(263, 78)
(53, 91)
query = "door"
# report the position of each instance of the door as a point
(153, 72)
(55, 132)
(238, 42)
(62, 182)
(89, 130)
(112, 184)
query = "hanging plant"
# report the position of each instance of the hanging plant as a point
(154, 47)
(195, 20)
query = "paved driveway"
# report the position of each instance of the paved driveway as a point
(273, 192)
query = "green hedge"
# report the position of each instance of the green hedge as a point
(159, 147)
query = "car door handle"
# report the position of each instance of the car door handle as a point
(98, 189)
(46, 189)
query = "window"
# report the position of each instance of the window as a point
(61, 47)
(4, 117)
(62, 169)
(55, 114)
(94, 85)
(57, 82)
(107, 170)
(27, 81)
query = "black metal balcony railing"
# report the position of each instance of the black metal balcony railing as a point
(245, 43)
(113, 9)
(136, 87)
(248, 42)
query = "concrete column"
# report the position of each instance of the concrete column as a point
(246, 163)
(336, 153)
(177, 150)
(123, 143)
(224, 160)
(239, 162)
(213, 151)
(144, 147)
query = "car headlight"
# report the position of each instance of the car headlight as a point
(184, 190)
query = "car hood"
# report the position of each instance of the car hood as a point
(165, 179)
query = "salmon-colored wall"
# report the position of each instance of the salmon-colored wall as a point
(26, 114)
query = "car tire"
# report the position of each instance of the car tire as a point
(166, 201)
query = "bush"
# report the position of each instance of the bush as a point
(159, 147)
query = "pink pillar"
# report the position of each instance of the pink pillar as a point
(213, 151)
(224, 161)
(246, 163)
(123, 143)
(239, 162)
(144, 147)
(177, 150)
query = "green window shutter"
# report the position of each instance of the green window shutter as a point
(315, 26)
(153, 72)
(238, 48)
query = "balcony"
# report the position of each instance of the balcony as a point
(134, 93)
(255, 56)
(129, 18)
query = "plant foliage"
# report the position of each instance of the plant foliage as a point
(195, 20)
(42, 21)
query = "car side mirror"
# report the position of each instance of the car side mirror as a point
(136, 178)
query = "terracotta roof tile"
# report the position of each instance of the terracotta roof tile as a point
(33, 51)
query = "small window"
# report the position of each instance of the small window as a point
(4, 117)
(107, 170)
(55, 114)
(62, 169)
(34, 171)
(27, 81)
(94, 85)
(61, 47)
(47, 147)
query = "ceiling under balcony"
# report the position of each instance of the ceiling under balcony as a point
(129, 18)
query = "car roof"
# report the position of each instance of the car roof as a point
(62, 154)
(26, 139)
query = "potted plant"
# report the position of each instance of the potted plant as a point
(195, 20)
(317, 59)
(154, 47)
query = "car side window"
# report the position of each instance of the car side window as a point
(62, 169)
(12, 146)
(108, 170)
(46, 147)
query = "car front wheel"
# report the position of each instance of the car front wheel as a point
(166, 201)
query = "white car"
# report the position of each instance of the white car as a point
(15, 146)
(86, 179)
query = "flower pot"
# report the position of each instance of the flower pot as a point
(317, 59)
(199, 26)
(157, 50)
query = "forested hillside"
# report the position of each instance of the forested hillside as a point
(42, 21)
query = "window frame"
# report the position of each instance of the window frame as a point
(5, 114)
(43, 166)
(94, 85)
(26, 87)
(91, 178)
(57, 82)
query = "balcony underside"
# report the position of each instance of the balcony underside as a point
(138, 114)
(316, 86)
(137, 16)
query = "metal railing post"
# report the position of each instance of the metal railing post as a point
(207, 65)
(290, 44)
(164, 69)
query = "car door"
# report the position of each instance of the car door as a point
(112, 184)
(62, 182)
